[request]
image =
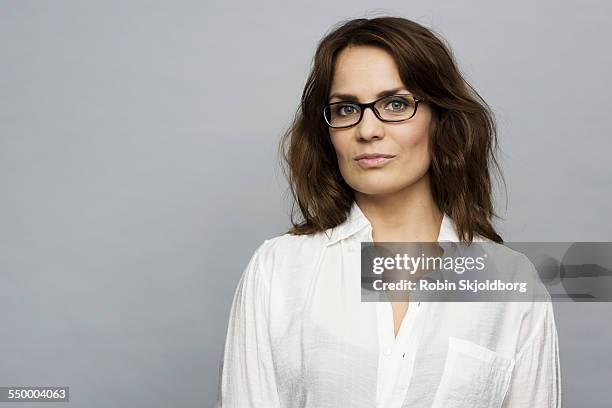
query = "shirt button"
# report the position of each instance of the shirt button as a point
(387, 352)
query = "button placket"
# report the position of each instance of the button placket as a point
(397, 354)
(386, 371)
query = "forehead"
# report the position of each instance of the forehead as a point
(364, 71)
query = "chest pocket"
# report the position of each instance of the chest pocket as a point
(473, 376)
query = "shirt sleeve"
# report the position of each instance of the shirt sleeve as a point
(536, 379)
(246, 371)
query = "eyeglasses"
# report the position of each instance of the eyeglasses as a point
(393, 108)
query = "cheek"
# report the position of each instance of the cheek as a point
(414, 143)
(340, 144)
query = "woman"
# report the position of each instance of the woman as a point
(390, 144)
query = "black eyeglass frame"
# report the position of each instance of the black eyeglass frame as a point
(371, 105)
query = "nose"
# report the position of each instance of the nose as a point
(370, 126)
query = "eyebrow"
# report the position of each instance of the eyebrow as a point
(353, 98)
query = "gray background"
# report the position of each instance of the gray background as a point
(138, 172)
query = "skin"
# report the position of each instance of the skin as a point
(397, 197)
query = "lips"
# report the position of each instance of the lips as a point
(373, 160)
(374, 156)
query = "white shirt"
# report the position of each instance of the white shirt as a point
(299, 336)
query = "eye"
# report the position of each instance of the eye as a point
(345, 110)
(397, 104)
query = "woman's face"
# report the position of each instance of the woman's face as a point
(365, 71)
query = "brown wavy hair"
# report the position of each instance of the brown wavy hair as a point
(463, 131)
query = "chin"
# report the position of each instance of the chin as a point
(382, 183)
(377, 188)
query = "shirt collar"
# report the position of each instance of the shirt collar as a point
(357, 221)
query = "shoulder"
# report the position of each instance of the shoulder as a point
(514, 264)
(529, 300)
(289, 252)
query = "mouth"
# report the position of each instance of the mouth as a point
(373, 160)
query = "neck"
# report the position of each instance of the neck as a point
(408, 215)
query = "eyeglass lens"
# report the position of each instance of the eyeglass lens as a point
(391, 108)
